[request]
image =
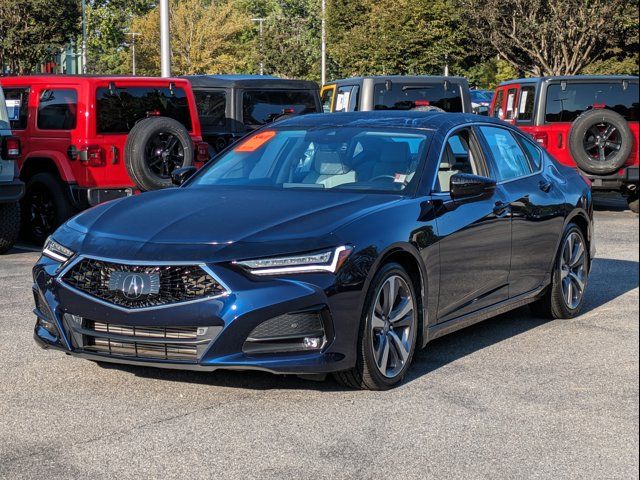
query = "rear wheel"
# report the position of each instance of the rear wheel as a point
(388, 332)
(9, 225)
(45, 207)
(565, 296)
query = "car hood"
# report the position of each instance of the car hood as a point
(216, 223)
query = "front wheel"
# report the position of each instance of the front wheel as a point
(565, 296)
(388, 332)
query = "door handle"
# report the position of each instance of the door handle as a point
(501, 209)
(545, 186)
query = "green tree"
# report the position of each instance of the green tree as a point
(31, 31)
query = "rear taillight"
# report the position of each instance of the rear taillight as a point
(541, 138)
(11, 148)
(93, 155)
(202, 152)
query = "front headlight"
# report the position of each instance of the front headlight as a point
(55, 251)
(326, 261)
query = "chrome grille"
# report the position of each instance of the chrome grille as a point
(177, 283)
(160, 343)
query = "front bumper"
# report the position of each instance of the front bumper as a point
(11, 191)
(230, 320)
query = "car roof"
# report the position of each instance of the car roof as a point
(588, 78)
(399, 78)
(64, 78)
(253, 81)
(387, 119)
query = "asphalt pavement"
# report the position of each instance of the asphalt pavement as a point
(513, 397)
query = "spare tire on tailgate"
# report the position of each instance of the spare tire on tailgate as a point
(155, 147)
(600, 141)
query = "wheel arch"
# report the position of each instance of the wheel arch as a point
(53, 164)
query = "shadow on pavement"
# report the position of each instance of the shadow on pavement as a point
(612, 202)
(610, 279)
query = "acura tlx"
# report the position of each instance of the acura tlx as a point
(335, 243)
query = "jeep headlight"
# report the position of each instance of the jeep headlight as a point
(325, 261)
(55, 251)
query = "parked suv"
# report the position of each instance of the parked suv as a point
(396, 92)
(11, 188)
(88, 139)
(230, 106)
(588, 122)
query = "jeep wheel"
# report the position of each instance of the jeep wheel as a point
(45, 207)
(156, 147)
(600, 141)
(9, 225)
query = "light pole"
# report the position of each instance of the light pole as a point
(84, 36)
(260, 21)
(323, 46)
(133, 50)
(165, 43)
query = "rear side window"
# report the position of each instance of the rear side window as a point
(566, 105)
(525, 105)
(264, 106)
(118, 109)
(509, 157)
(399, 96)
(17, 101)
(212, 107)
(57, 109)
(497, 106)
(535, 155)
(511, 103)
(347, 97)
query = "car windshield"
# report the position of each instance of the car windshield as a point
(327, 158)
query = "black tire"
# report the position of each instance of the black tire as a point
(632, 200)
(586, 133)
(365, 374)
(45, 206)
(552, 304)
(9, 225)
(155, 147)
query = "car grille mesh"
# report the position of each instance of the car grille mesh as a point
(178, 283)
(160, 343)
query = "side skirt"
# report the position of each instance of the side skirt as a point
(469, 319)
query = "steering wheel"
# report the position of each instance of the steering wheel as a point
(382, 177)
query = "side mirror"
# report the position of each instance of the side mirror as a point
(465, 185)
(181, 175)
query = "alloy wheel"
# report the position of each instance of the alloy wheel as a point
(602, 141)
(392, 322)
(164, 153)
(573, 270)
(42, 212)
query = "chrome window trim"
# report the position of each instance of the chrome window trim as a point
(203, 266)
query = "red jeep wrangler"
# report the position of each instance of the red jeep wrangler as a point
(89, 139)
(588, 122)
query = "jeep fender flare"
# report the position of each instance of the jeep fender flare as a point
(60, 161)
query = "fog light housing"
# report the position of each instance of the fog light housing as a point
(301, 331)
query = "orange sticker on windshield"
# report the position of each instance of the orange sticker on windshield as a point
(253, 143)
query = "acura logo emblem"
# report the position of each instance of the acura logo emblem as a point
(134, 284)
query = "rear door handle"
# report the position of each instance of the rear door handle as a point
(545, 186)
(501, 209)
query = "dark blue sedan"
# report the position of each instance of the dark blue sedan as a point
(322, 244)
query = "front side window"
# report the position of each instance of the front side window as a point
(264, 106)
(57, 109)
(458, 157)
(401, 96)
(510, 160)
(118, 109)
(497, 106)
(212, 108)
(346, 158)
(525, 105)
(565, 105)
(327, 98)
(17, 102)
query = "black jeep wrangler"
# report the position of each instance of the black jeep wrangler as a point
(230, 106)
